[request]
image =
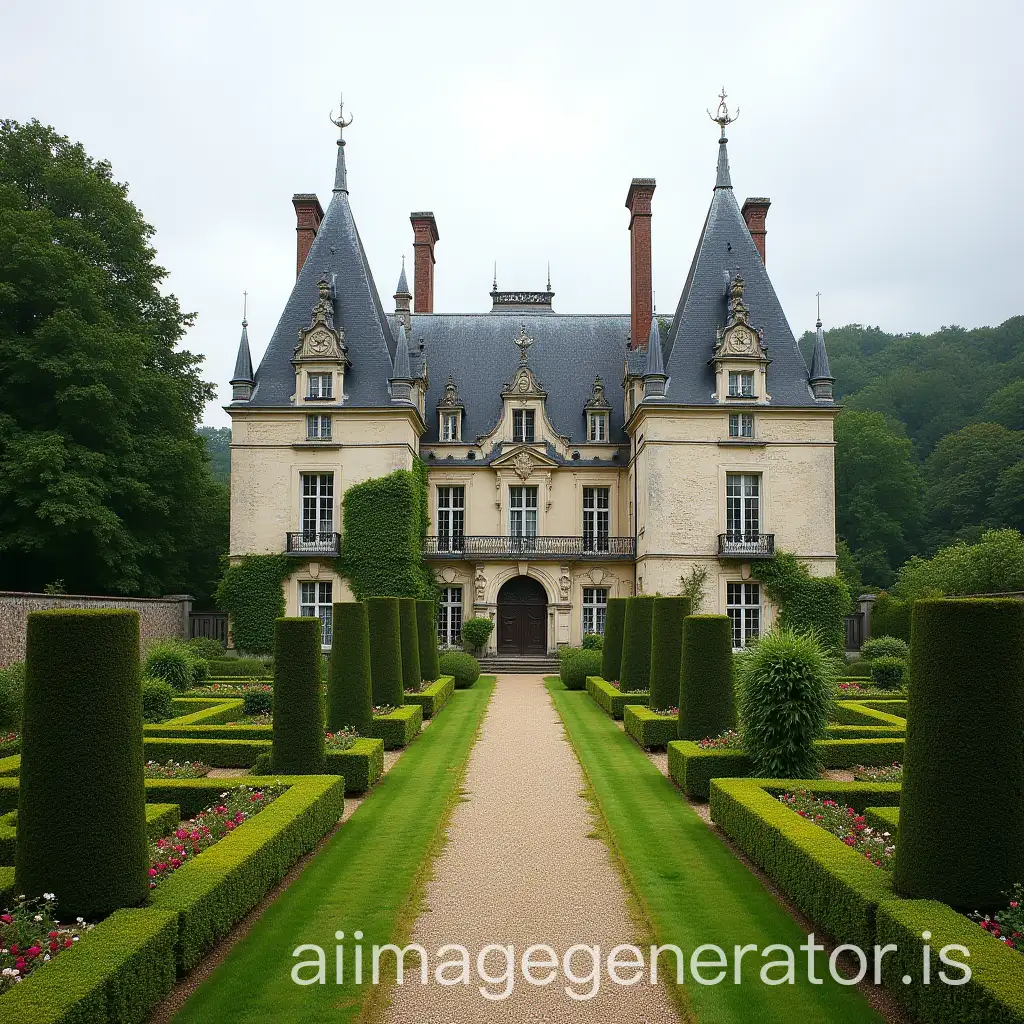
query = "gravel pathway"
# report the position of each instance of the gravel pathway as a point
(520, 867)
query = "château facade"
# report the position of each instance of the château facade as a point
(571, 457)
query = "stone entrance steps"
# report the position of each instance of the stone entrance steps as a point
(538, 665)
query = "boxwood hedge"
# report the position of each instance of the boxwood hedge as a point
(667, 650)
(635, 671)
(298, 711)
(426, 625)
(412, 673)
(464, 667)
(575, 664)
(349, 697)
(433, 697)
(610, 699)
(614, 624)
(398, 728)
(385, 651)
(707, 703)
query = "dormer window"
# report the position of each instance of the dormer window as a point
(318, 427)
(450, 425)
(741, 384)
(320, 386)
(598, 427)
(523, 426)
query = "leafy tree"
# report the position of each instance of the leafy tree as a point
(847, 568)
(1006, 406)
(104, 482)
(218, 444)
(878, 493)
(995, 565)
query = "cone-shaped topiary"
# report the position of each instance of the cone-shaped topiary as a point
(426, 625)
(667, 650)
(82, 797)
(707, 702)
(349, 700)
(611, 653)
(384, 620)
(298, 712)
(412, 674)
(961, 832)
(635, 672)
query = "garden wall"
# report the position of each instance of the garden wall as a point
(159, 617)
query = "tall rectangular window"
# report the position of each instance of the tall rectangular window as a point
(595, 607)
(596, 518)
(743, 506)
(741, 424)
(321, 385)
(315, 601)
(317, 507)
(451, 518)
(522, 511)
(598, 431)
(450, 426)
(743, 604)
(741, 384)
(318, 427)
(523, 425)
(449, 617)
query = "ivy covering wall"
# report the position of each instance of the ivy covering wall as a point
(808, 603)
(252, 593)
(384, 523)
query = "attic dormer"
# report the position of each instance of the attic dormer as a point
(741, 358)
(321, 356)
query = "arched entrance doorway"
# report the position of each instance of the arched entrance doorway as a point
(522, 617)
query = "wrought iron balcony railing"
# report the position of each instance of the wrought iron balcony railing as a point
(746, 545)
(312, 542)
(586, 547)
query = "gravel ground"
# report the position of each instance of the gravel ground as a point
(520, 867)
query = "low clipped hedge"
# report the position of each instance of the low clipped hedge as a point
(610, 699)
(614, 625)
(349, 694)
(885, 818)
(206, 710)
(861, 712)
(385, 626)
(575, 664)
(362, 765)
(635, 671)
(667, 650)
(157, 700)
(707, 702)
(434, 697)
(224, 668)
(398, 728)
(217, 753)
(463, 667)
(412, 672)
(647, 727)
(298, 708)
(426, 626)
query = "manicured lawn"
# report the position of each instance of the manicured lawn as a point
(361, 880)
(692, 889)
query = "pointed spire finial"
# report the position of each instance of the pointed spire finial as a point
(494, 286)
(549, 275)
(817, 295)
(245, 306)
(340, 121)
(721, 116)
(341, 172)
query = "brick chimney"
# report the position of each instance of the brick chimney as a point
(641, 304)
(755, 211)
(308, 215)
(424, 235)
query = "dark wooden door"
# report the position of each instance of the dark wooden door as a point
(522, 617)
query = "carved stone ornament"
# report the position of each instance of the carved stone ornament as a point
(564, 583)
(523, 342)
(451, 399)
(321, 340)
(597, 400)
(481, 583)
(523, 465)
(738, 338)
(524, 384)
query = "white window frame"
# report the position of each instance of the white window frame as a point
(597, 431)
(741, 384)
(743, 506)
(741, 424)
(450, 424)
(316, 509)
(319, 386)
(316, 600)
(522, 511)
(449, 617)
(595, 609)
(451, 517)
(597, 518)
(318, 426)
(521, 420)
(745, 610)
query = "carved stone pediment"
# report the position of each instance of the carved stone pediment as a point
(524, 385)
(321, 341)
(525, 462)
(739, 339)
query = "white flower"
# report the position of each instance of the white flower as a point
(38, 917)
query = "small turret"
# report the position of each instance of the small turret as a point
(820, 378)
(243, 380)
(654, 374)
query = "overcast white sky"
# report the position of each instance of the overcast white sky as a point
(887, 134)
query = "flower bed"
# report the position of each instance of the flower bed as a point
(884, 773)
(31, 936)
(610, 699)
(731, 739)
(176, 770)
(9, 744)
(232, 688)
(341, 739)
(846, 823)
(1008, 925)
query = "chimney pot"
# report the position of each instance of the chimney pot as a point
(308, 215)
(641, 305)
(424, 235)
(755, 212)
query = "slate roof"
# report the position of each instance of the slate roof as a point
(243, 361)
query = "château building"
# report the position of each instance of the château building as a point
(571, 457)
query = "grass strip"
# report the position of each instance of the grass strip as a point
(692, 889)
(363, 879)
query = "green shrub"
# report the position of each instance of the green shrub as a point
(891, 617)
(475, 632)
(253, 667)
(263, 765)
(200, 671)
(575, 664)
(426, 625)
(887, 672)
(349, 697)
(258, 702)
(885, 646)
(635, 672)
(298, 712)
(707, 704)
(205, 647)
(252, 592)
(961, 834)
(667, 651)
(593, 642)
(157, 700)
(170, 662)
(384, 620)
(12, 687)
(464, 667)
(614, 624)
(82, 764)
(412, 674)
(785, 703)
(860, 668)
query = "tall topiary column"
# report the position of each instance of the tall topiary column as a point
(961, 831)
(667, 650)
(426, 626)
(707, 701)
(611, 653)
(412, 673)
(82, 798)
(349, 700)
(298, 711)
(385, 651)
(635, 672)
